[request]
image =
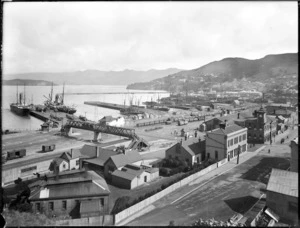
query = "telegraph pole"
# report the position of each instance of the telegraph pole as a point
(238, 156)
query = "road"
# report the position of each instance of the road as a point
(235, 191)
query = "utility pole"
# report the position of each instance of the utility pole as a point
(238, 156)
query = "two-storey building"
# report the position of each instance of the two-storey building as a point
(226, 141)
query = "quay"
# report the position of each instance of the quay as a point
(115, 93)
(109, 105)
(45, 116)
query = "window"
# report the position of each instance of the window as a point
(51, 206)
(228, 143)
(145, 178)
(198, 160)
(235, 152)
(231, 142)
(77, 162)
(64, 165)
(240, 138)
(216, 154)
(64, 204)
(208, 155)
(244, 136)
(293, 207)
(38, 206)
(244, 148)
(236, 140)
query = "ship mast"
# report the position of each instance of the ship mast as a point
(51, 92)
(17, 93)
(24, 95)
(63, 95)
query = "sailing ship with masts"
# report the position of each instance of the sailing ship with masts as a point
(20, 107)
(58, 103)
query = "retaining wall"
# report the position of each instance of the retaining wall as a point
(146, 202)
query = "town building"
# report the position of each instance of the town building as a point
(226, 141)
(118, 161)
(77, 193)
(67, 161)
(282, 195)
(294, 155)
(191, 150)
(132, 176)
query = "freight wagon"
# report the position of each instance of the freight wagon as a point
(47, 148)
(15, 154)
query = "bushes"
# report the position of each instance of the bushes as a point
(120, 204)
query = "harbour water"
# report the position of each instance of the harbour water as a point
(76, 97)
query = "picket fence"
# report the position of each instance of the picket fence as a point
(146, 202)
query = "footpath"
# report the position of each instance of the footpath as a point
(181, 193)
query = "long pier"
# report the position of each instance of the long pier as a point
(110, 105)
(114, 93)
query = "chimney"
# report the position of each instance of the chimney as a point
(223, 124)
(238, 115)
(71, 153)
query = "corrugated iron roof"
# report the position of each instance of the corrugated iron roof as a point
(128, 158)
(284, 182)
(82, 184)
(126, 175)
(104, 155)
(228, 129)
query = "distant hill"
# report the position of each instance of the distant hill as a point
(229, 69)
(26, 82)
(96, 77)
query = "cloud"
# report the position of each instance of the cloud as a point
(68, 36)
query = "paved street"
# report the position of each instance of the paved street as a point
(235, 191)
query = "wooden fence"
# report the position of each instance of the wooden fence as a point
(146, 202)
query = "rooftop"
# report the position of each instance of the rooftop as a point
(284, 182)
(228, 130)
(128, 158)
(104, 155)
(72, 184)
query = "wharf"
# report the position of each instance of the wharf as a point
(109, 105)
(180, 107)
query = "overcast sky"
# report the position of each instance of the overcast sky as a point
(71, 36)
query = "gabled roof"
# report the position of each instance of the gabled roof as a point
(271, 118)
(58, 160)
(122, 159)
(104, 155)
(228, 129)
(191, 145)
(73, 154)
(284, 182)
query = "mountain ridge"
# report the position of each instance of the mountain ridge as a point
(95, 77)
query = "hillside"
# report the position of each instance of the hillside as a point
(271, 67)
(26, 82)
(96, 77)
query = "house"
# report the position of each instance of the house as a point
(282, 195)
(118, 161)
(132, 176)
(67, 161)
(72, 158)
(77, 193)
(226, 141)
(294, 155)
(97, 163)
(191, 150)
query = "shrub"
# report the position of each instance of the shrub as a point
(120, 204)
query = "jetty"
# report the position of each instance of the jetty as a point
(110, 105)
